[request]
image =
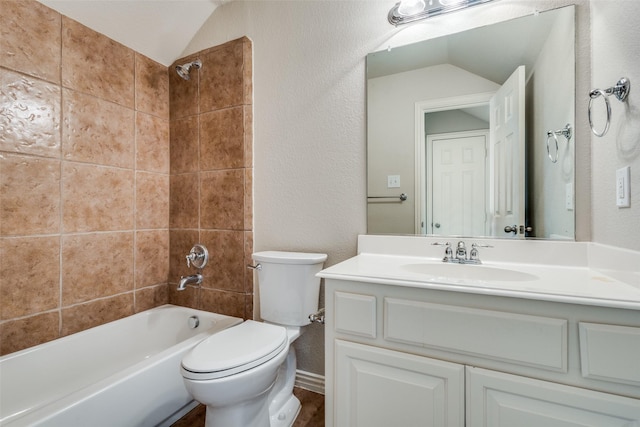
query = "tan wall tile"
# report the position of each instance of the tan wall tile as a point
(152, 195)
(248, 306)
(97, 131)
(94, 64)
(222, 144)
(222, 75)
(189, 297)
(29, 275)
(180, 243)
(29, 195)
(30, 115)
(224, 136)
(247, 71)
(184, 204)
(152, 143)
(150, 297)
(95, 313)
(152, 87)
(184, 145)
(89, 183)
(226, 260)
(96, 266)
(152, 258)
(97, 198)
(248, 260)
(26, 332)
(222, 199)
(248, 136)
(248, 199)
(223, 302)
(30, 39)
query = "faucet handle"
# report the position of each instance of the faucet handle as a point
(479, 245)
(448, 252)
(473, 254)
(198, 256)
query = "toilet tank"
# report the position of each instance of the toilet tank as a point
(288, 286)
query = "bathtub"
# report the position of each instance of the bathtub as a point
(123, 373)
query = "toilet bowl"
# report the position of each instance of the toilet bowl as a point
(232, 372)
(245, 374)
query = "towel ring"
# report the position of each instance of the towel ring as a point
(566, 132)
(620, 90)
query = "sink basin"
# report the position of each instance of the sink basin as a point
(469, 272)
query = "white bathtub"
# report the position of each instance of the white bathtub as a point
(123, 373)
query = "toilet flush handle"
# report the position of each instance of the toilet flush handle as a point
(255, 267)
(317, 317)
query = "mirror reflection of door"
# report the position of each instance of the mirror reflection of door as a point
(456, 183)
(453, 199)
(507, 152)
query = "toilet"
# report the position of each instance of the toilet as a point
(245, 374)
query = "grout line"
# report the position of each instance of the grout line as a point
(61, 189)
(135, 178)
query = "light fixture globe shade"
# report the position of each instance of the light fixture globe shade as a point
(410, 7)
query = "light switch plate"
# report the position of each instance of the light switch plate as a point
(623, 192)
(393, 181)
(568, 195)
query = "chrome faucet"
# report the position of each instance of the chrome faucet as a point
(460, 256)
(194, 279)
(461, 252)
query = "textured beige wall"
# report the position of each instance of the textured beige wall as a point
(616, 48)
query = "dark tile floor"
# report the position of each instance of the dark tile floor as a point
(311, 414)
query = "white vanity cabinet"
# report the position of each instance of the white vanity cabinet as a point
(498, 399)
(379, 387)
(410, 356)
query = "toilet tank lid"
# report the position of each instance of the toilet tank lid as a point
(279, 257)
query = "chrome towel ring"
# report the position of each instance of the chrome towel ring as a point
(620, 90)
(566, 132)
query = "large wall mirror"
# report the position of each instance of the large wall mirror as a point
(466, 133)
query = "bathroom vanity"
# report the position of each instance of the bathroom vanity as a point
(540, 334)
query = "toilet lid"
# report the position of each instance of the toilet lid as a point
(234, 350)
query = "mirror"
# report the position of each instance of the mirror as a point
(457, 132)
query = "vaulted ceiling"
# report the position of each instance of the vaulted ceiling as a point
(159, 29)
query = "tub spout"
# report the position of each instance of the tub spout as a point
(194, 279)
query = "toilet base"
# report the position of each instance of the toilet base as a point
(287, 413)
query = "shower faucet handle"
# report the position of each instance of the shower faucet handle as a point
(198, 256)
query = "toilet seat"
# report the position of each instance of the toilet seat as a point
(234, 350)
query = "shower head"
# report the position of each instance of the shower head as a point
(184, 69)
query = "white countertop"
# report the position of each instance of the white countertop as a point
(576, 283)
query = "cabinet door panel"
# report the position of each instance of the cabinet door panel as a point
(501, 400)
(379, 387)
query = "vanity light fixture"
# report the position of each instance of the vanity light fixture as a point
(407, 11)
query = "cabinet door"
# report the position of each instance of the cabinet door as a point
(496, 399)
(379, 387)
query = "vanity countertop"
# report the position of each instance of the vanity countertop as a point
(574, 282)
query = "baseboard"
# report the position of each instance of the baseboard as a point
(310, 381)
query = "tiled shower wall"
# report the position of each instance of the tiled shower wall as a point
(84, 180)
(211, 178)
